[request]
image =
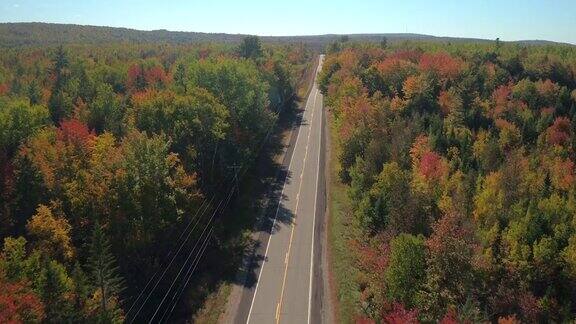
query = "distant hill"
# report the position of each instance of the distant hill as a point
(30, 34)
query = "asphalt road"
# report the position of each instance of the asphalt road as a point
(289, 275)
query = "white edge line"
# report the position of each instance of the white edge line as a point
(275, 218)
(314, 218)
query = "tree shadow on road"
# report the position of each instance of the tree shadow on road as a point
(234, 256)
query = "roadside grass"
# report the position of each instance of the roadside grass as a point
(216, 285)
(340, 232)
(214, 305)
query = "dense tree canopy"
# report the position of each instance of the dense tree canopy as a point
(459, 161)
(106, 152)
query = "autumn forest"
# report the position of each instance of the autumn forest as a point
(108, 151)
(456, 163)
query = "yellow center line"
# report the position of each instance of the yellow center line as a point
(279, 307)
(287, 259)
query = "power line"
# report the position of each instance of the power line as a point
(169, 253)
(235, 168)
(190, 255)
(202, 249)
(178, 293)
(191, 269)
(187, 276)
(195, 263)
(171, 261)
(198, 219)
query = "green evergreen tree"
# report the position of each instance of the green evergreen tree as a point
(104, 276)
(86, 87)
(251, 48)
(34, 93)
(105, 113)
(384, 43)
(81, 291)
(180, 77)
(55, 291)
(60, 61)
(60, 104)
(140, 83)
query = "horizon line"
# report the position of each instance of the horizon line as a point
(293, 35)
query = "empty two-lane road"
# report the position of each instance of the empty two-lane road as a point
(288, 277)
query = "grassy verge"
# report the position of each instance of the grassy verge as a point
(340, 232)
(214, 305)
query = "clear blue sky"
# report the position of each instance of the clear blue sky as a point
(510, 20)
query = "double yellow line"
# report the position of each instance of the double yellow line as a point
(287, 259)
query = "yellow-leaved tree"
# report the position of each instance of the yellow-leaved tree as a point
(51, 233)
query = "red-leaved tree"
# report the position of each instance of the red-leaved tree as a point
(559, 132)
(400, 315)
(19, 304)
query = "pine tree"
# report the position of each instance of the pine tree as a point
(86, 88)
(80, 292)
(104, 275)
(55, 291)
(60, 61)
(140, 81)
(180, 77)
(498, 43)
(60, 104)
(383, 43)
(34, 93)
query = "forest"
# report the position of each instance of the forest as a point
(460, 192)
(52, 34)
(108, 151)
